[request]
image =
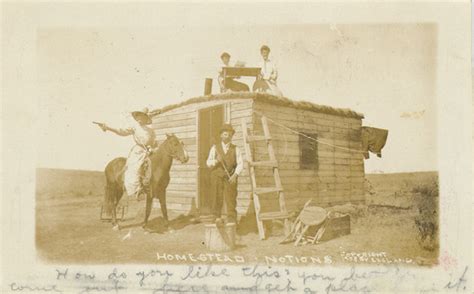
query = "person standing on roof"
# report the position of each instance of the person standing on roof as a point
(267, 80)
(228, 84)
(138, 167)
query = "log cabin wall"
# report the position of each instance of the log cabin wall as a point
(338, 175)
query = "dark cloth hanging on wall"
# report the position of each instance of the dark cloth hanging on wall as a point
(373, 140)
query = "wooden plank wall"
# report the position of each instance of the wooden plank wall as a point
(238, 111)
(339, 179)
(182, 190)
(340, 176)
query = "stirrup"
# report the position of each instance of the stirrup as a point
(142, 196)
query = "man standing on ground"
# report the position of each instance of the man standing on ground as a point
(225, 161)
(229, 84)
(266, 82)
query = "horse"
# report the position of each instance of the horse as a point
(161, 161)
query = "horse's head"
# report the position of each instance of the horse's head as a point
(175, 148)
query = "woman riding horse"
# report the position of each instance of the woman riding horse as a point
(137, 174)
(142, 166)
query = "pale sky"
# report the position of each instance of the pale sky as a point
(385, 71)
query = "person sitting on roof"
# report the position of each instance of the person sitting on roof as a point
(228, 84)
(266, 81)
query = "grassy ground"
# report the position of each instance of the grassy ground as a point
(68, 229)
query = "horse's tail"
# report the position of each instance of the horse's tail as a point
(113, 183)
(110, 198)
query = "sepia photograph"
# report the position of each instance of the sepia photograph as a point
(209, 147)
(310, 144)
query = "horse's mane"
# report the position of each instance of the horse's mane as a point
(162, 145)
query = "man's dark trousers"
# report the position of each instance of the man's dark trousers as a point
(221, 189)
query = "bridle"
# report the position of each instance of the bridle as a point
(168, 152)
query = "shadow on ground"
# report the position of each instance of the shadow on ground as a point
(160, 226)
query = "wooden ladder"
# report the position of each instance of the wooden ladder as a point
(257, 192)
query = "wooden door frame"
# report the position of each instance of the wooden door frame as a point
(227, 116)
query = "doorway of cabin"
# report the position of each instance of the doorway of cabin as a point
(210, 121)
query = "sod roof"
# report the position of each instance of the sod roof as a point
(266, 98)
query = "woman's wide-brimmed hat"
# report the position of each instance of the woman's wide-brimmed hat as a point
(227, 128)
(143, 114)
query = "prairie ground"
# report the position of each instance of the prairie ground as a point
(69, 229)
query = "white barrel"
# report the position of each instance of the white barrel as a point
(219, 238)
